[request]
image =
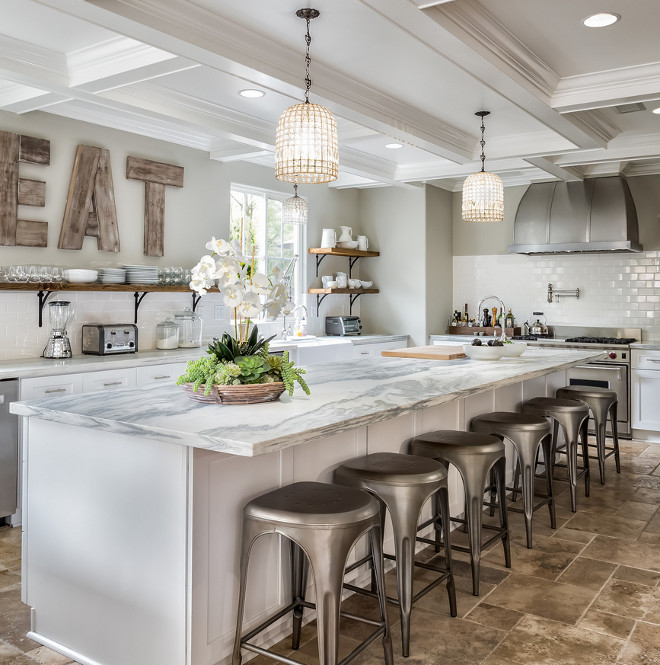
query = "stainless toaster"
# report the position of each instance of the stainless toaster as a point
(102, 339)
(342, 325)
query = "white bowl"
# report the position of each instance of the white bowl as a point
(367, 285)
(354, 283)
(80, 276)
(515, 349)
(331, 284)
(348, 244)
(483, 352)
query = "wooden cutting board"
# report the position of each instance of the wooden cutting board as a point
(427, 352)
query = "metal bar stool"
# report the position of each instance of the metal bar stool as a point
(474, 455)
(527, 433)
(402, 484)
(601, 402)
(322, 522)
(573, 417)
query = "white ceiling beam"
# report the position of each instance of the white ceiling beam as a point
(237, 153)
(472, 38)
(425, 4)
(566, 174)
(608, 88)
(191, 32)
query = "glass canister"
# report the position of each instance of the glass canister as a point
(167, 335)
(190, 328)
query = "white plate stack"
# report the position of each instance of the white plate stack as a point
(112, 275)
(141, 274)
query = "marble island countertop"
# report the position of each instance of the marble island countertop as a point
(344, 396)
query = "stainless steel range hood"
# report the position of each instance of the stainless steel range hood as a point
(594, 215)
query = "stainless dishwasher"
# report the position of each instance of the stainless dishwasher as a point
(8, 449)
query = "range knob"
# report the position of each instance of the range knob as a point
(612, 355)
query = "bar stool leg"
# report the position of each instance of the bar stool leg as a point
(299, 573)
(442, 499)
(615, 435)
(600, 421)
(547, 456)
(376, 544)
(383, 511)
(251, 531)
(504, 519)
(584, 435)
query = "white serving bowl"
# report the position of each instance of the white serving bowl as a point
(483, 352)
(367, 285)
(348, 244)
(515, 349)
(80, 276)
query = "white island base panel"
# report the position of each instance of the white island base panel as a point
(131, 546)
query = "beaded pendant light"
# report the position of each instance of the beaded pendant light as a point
(483, 192)
(306, 147)
(294, 209)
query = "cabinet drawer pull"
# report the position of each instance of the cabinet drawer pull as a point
(364, 353)
(652, 360)
(114, 383)
(55, 390)
(160, 378)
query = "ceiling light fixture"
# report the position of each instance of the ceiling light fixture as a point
(294, 209)
(601, 20)
(393, 146)
(251, 94)
(483, 192)
(306, 146)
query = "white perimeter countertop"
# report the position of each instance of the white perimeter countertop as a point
(344, 396)
(35, 367)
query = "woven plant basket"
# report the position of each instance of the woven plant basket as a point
(199, 396)
(249, 394)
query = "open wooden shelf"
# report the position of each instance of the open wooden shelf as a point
(95, 286)
(340, 251)
(343, 291)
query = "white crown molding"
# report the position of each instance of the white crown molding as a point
(425, 4)
(111, 57)
(42, 102)
(566, 174)
(596, 122)
(650, 167)
(608, 88)
(30, 62)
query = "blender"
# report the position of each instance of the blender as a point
(60, 314)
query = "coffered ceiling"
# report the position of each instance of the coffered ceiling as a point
(414, 72)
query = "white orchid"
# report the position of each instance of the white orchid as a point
(201, 284)
(227, 265)
(250, 305)
(220, 246)
(261, 284)
(233, 295)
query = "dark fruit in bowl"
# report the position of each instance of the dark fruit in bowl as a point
(497, 343)
(476, 342)
(489, 342)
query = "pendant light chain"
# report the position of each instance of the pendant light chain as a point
(483, 144)
(308, 62)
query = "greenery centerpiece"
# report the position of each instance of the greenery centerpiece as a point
(238, 368)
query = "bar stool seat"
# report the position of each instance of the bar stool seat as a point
(528, 433)
(572, 416)
(402, 484)
(322, 522)
(473, 455)
(602, 403)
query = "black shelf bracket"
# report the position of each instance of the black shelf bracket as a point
(319, 299)
(43, 296)
(351, 262)
(139, 297)
(196, 298)
(352, 299)
(319, 258)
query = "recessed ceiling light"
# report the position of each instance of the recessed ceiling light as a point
(393, 146)
(601, 20)
(657, 111)
(252, 94)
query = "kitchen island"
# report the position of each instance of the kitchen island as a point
(133, 498)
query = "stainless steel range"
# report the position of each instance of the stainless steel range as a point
(611, 371)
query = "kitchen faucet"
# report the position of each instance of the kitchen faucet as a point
(482, 301)
(286, 333)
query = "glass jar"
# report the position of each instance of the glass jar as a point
(167, 335)
(190, 328)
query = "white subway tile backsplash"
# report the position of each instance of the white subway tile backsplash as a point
(615, 290)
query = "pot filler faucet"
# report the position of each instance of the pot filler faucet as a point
(482, 301)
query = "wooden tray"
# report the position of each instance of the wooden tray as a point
(427, 352)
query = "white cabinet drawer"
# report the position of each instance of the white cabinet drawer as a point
(112, 379)
(373, 349)
(645, 359)
(645, 399)
(159, 374)
(51, 386)
(363, 350)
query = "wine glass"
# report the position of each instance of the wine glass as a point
(57, 274)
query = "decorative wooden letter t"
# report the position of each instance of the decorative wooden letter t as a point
(156, 176)
(90, 205)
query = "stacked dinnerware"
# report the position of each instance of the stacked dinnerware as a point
(112, 275)
(142, 274)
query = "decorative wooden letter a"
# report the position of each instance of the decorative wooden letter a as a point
(90, 205)
(156, 176)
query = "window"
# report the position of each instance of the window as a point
(256, 220)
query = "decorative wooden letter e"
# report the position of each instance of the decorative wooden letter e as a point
(156, 176)
(90, 206)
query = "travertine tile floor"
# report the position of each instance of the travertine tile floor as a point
(587, 594)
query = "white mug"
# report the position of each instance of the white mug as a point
(328, 238)
(342, 280)
(325, 279)
(363, 243)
